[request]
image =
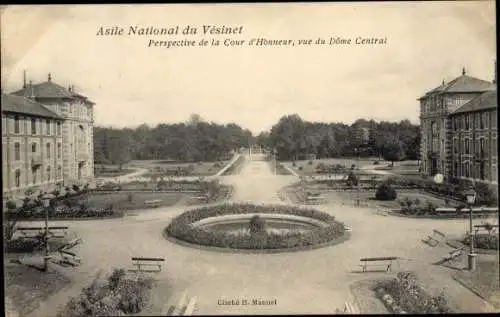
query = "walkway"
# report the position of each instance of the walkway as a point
(305, 282)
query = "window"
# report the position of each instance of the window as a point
(17, 128)
(33, 174)
(47, 127)
(59, 128)
(455, 170)
(17, 178)
(59, 172)
(48, 150)
(467, 122)
(17, 152)
(455, 146)
(481, 121)
(481, 147)
(33, 126)
(48, 173)
(58, 150)
(467, 146)
(467, 170)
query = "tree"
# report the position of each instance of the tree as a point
(393, 151)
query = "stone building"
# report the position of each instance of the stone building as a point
(54, 129)
(451, 113)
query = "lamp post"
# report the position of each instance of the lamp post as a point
(46, 204)
(471, 197)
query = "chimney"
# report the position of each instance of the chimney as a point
(24, 79)
(49, 78)
(495, 74)
(463, 71)
(32, 92)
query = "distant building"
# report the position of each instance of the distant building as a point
(459, 129)
(47, 137)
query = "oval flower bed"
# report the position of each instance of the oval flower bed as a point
(182, 228)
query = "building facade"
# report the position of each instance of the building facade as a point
(452, 118)
(47, 137)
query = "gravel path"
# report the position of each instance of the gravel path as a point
(316, 281)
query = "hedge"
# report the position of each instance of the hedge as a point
(181, 228)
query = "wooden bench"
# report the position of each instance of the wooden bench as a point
(434, 238)
(153, 203)
(32, 232)
(148, 262)
(203, 198)
(484, 227)
(451, 256)
(315, 199)
(388, 261)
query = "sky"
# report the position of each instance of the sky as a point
(131, 83)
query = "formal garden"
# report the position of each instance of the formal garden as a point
(415, 197)
(113, 199)
(256, 227)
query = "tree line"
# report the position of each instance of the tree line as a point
(192, 141)
(291, 137)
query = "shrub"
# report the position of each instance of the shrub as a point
(385, 192)
(310, 162)
(257, 224)
(352, 179)
(11, 205)
(320, 167)
(483, 241)
(485, 195)
(410, 295)
(376, 163)
(75, 187)
(118, 296)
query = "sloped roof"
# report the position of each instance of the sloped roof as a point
(486, 100)
(22, 105)
(46, 89)
(462, 84)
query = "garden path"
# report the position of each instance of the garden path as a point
(315, 281)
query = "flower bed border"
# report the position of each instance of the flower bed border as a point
(181, 225)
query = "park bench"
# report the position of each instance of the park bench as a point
(148, 262)
(203, 198)
(451, 256)
(387, 260)
(153, 203)
(32, 232)
(484, 227)
(434, 238)
(315, 199)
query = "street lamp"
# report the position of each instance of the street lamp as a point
(46, 199)
(471, 198)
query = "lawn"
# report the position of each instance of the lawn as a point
(484, 281)
(122, 201)
(27, 286)
(368, 198)
(111, 171)
(160, 167)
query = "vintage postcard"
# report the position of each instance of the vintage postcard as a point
(250, 159)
